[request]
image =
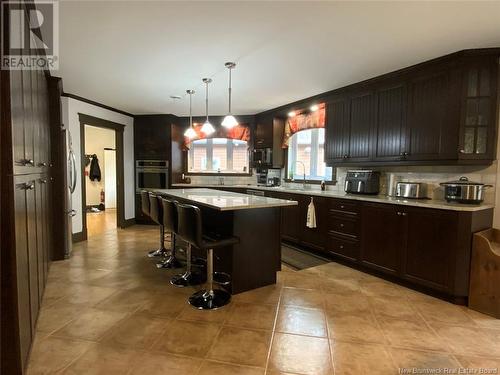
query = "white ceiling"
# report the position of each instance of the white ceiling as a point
(133, 55)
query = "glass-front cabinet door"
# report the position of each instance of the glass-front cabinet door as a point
(478, 118)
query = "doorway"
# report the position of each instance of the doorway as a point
(102, 172)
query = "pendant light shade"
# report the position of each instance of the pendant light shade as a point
(190, 133)
(229, 121)
(207, 127)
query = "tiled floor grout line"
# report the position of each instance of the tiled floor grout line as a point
(266, 367)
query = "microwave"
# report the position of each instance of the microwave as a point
(263, 156)
(151, 174)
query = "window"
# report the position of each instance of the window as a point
(306, 152)
(218, 155)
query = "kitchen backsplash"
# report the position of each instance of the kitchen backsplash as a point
(432, 175)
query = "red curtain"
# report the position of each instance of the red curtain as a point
(304, 121)
(239, 132)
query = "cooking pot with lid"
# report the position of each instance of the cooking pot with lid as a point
(464, 191)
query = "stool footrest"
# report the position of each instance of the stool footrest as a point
(170, 262)
(222, 278)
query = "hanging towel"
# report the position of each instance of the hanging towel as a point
(311, 215)
(95, 170)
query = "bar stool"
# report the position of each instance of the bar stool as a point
(145, 207)
(190, 229)
(156, 214)
(169, 225)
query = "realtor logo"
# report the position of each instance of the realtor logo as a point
(30, 35)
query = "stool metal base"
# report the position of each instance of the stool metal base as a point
(186, 279)
(157, 253)
(210, 300)
(169, 262)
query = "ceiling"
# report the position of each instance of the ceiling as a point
(132, 55)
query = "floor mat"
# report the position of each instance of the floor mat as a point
(300, 259)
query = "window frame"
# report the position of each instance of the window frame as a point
(314, 140)
(229, 151)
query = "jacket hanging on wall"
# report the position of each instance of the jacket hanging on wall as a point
(95, 170)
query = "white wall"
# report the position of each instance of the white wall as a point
(71, 109)
(96, 140)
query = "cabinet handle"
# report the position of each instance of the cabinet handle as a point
(342, 207)
(404, 154)
(341, 247)
(399, 213)
(404, 213)
(43, 181)
(345, 156)
(341, 225)
(30, 162)
(461, 151)
(29, 186)
(43, 164)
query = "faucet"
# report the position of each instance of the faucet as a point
(304, 175)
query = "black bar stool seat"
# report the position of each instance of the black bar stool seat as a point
(190, 229)
(169, 221)
(146, 210)
(156, 214)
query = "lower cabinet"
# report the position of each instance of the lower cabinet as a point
(383, 233)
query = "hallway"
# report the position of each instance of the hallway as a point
(101, 222)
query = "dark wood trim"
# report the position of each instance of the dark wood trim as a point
(120, 180)
(79, 237)
(97, 104)
(128, 223)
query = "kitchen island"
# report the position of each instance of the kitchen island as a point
(255, 220)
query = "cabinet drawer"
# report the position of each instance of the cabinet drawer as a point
(345, 247)
(344, 224)
(348, 207)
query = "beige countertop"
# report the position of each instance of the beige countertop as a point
(224, 200)
(426, 203)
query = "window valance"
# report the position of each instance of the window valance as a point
(303, 121)
(240, 132)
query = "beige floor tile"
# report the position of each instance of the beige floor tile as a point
(52, 354)
(125, 301)
(302, 297)
(421, 360)
(211, 368)
(90, 325)
(411, 334)
(381, 288)
(103, 360)
(361, 327)
(469, 340)
(250, 315)
(56, 316)
(214, 316)
(443, 312)
(165, 364)
(136, 331)
(360, 359)
(483, 320)
(298, 280)
(340, 286)
(266, 295)
(300, 354)
(478, 363)
(164, 305)
(347, 303)
(394, 307)
(241, 346)
(301, 321)
(87, 295)
(187, 338)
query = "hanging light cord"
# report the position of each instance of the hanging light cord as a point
(206, 99)
(190, 110)
(230, 90)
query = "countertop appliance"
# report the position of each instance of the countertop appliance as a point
(464, 191)
(151, 174)
(362, 182)
(268, 177)
(412, 190)
(262, 156)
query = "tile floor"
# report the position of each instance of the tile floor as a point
(108, 310)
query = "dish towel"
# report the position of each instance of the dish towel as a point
(311, 215)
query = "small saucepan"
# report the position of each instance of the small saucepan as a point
(464, 191)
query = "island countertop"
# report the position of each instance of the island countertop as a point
(224, 200)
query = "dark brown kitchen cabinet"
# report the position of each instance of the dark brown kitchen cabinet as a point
(431, 243)
(269, 132)
(383, 237)
(263, 132)
(362, 120)
(337, 130)
(478, 115)
(314, 238)
(290, 220)
(152, 137)
(390, 126)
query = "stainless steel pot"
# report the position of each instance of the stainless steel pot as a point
(464, 191)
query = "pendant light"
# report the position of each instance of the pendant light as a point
(229, 121)
(207, 127)
(190, 133)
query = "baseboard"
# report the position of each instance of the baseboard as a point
(128, 222)
(79, 237)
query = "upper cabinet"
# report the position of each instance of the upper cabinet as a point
(478, 114)
(440, 112)
(269, 135)
(152, 137)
